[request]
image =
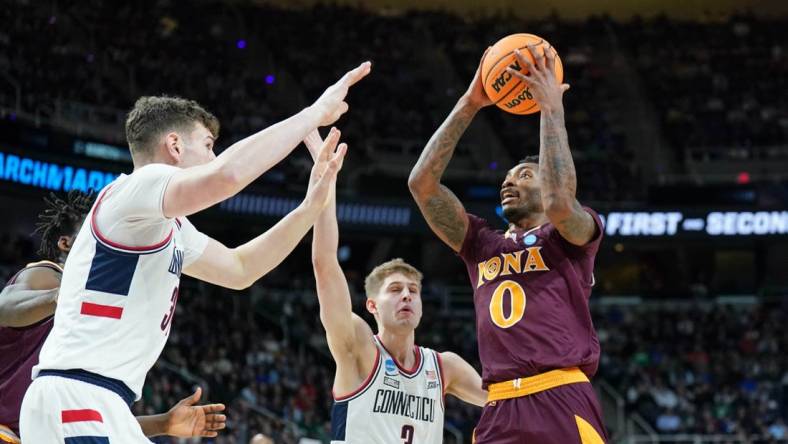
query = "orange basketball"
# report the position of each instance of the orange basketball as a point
(505, 90)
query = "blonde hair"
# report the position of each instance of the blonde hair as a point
(379, 274)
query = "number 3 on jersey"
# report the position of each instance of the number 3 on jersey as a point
(167, 320)
(407, 434)
(516, 296)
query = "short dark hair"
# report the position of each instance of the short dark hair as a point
(61, 218)
(534, 158)
(153, 115)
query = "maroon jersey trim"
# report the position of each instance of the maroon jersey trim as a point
(416, 364)
(118, 246)
(440, 370)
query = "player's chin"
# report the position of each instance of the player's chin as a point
(512, 211)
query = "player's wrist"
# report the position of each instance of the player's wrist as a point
(311, 207)
(467, 101)
(553, 110)
(313, 115)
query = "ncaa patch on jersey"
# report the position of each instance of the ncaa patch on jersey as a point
(391, 368)
(529, 240)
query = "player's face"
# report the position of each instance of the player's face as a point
(520, 192)
(64, 243)
(197, 148)
(398, 303)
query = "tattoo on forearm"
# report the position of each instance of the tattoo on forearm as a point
(442, 209)
(436, 155)
(444, 212)
(556, 168)
(559, 179)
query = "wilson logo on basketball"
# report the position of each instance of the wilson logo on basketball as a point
(524, 95)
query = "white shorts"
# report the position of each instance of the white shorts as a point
(67, 411)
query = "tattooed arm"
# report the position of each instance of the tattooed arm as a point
(559, 182)
(557, 177)
(441, 208)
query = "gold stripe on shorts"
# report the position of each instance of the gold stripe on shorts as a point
(535, 384)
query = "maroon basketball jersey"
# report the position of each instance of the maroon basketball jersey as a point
(531, 290)
(19, 349)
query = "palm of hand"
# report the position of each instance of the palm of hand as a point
(187, 421)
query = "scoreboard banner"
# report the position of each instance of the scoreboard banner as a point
(695, 223)
(51, 175)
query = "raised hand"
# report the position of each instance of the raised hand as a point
(475, 93)
(328, 162)
(541, 79)
(313, 142)
(187, 420)
(331, 104)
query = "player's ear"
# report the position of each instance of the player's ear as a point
(64, 243)
(372, 306)
(173, 146)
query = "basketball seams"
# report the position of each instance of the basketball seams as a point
(510, 91)
(497, 62)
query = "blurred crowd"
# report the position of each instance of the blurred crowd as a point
(717, 84)
(233, 58)
(714, 369)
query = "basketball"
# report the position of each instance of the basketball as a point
(505, 90)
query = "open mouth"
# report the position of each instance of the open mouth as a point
(406, 310)
(509, 195)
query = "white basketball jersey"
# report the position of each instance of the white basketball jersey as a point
(117, 301)
(394, 405)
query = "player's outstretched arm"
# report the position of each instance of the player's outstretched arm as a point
(193, 189)
(31, 298)
(462, 380)
(239, 267)
(186, 420)
(557, 175)
(346, 333)
(443, 211)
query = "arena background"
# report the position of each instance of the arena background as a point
(678, 123)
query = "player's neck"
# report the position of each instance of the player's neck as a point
(142, 161)
(528, 222)
(400, 346)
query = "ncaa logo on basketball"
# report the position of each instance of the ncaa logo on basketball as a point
(505, 76)
(391, 368)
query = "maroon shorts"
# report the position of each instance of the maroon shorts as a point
(569, 414)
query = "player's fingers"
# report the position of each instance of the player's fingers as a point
(194, 398)
(215, 419)
(549, 55)
(354, 75)
(339, 155)
(329, 144)
(565, 87)
(525, 61)
(537, 55)
(209, 434)
(525, 78)
(481, 61)
(341, 109)
(313, 142)
(212, 409)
